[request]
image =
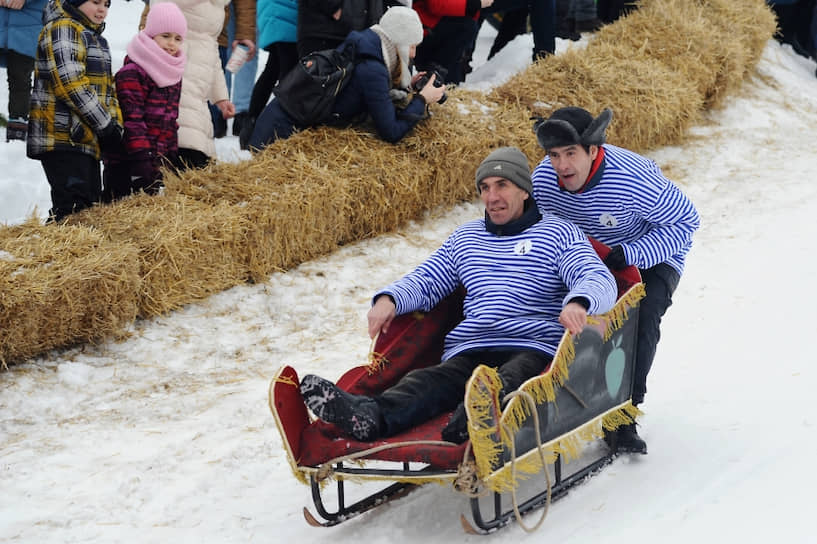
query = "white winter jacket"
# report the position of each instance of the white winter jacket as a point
(203, 78)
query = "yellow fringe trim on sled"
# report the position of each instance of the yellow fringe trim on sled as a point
(483, 411)
(489, 442)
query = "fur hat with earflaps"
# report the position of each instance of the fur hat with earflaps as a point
(572, 126)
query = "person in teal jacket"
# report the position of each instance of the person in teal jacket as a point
(20, 25)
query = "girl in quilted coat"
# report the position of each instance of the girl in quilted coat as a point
(148, 87)
(74, 113)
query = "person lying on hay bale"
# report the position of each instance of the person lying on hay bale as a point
(623, 200)
(379, 87)
(527, 277)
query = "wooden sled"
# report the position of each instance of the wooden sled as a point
(535, 430)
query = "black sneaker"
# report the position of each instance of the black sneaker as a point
(356, 415)
(17, 129)
(625, 439)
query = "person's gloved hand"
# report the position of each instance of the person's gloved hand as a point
(616, 259)
(143, 167)
(110, 139)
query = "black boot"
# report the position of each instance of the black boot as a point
(246, 133)
(625, 439)
(358, 416)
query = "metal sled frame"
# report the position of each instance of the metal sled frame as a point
(393, 491)
(558, 489)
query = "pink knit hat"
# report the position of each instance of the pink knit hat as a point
(165, 17)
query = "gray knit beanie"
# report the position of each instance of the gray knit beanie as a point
(509, 163)
(572, 126)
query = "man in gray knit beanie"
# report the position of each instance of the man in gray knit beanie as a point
(509, 163)
(511, 323)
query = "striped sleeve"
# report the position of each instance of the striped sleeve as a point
(673, 220)
(426, 285)
(586, 276)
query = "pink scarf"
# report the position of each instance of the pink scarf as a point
(164, 69)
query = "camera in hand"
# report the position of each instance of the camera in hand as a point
(438, 82)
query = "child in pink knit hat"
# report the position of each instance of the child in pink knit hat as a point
(148, 87)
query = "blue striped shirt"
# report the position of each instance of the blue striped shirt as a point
(516, 285)
(633, 205)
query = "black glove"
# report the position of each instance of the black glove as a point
(457, 429)
(616, 260)
(143, 166)
(110, 139)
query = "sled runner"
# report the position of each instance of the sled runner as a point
(533, 431)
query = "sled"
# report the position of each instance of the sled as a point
(541, 429)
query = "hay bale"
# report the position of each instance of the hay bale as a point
(62, 285)
(657, 68)
(696, 39)
(742, 29)
(187, 249)
(295, 208)
(652, 106)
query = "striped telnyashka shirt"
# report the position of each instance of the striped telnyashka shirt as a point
(633, 205)
(516, 285)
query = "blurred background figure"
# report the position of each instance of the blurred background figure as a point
(20, 25)
(277, 24)
(239, 31)
(324, 24)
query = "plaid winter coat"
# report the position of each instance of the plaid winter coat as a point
(150, 113)
(73, 98)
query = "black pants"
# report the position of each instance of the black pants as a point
(446, 47)
(428, 392)
(660, 282)
(610, 10)
(18, 73)
(75, 182)
(542, 20)
(191, 159)
(282, 57)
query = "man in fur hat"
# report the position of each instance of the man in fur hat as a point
(510, 322)
(622, 199)
(380, 87)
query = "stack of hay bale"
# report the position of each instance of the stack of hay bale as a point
(658, 69)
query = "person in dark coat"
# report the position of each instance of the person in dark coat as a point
(380, 77)
(324, 24)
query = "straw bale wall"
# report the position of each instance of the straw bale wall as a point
(186, 248)
(61, 286)
(658, 68)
